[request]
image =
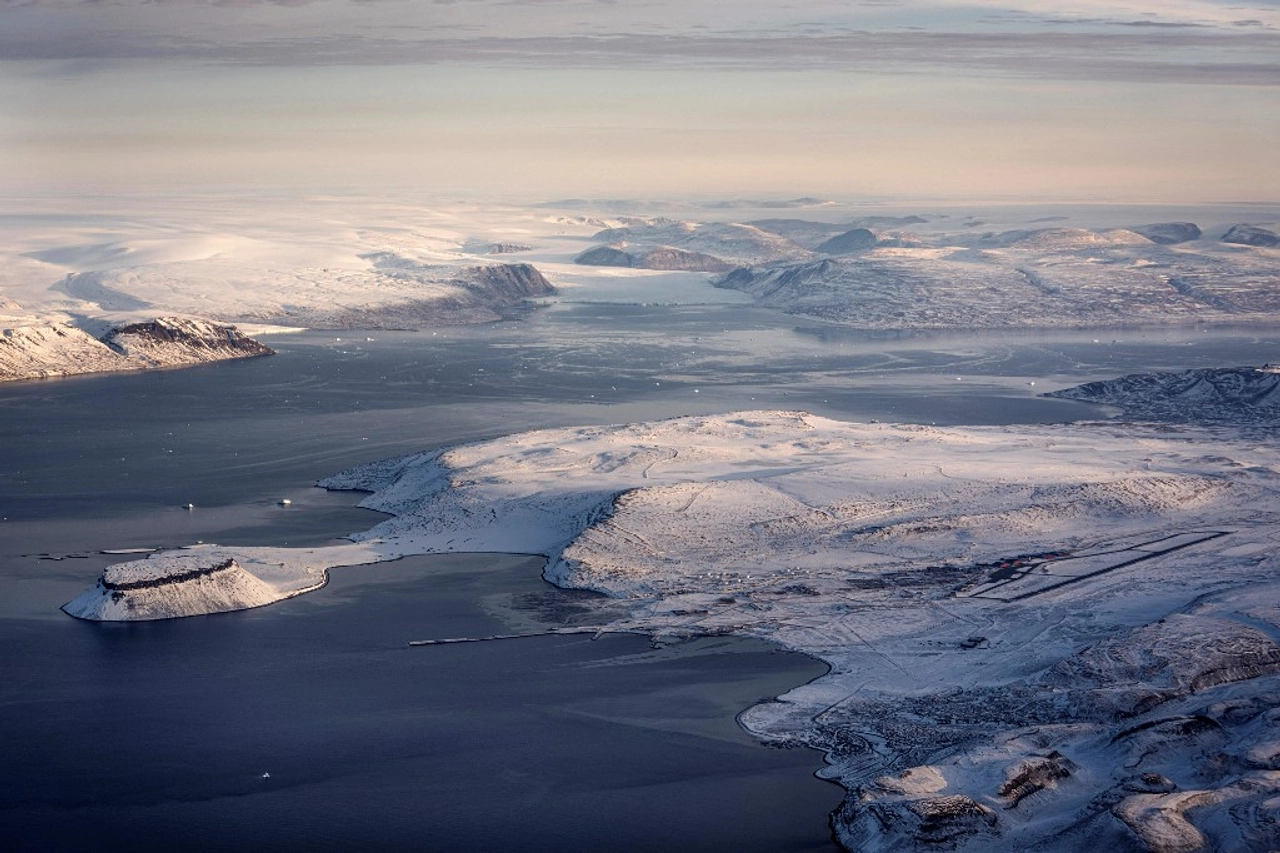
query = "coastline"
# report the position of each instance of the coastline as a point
(501, 742)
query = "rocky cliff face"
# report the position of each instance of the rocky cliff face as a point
(182, 586)
(45, 350)
(170, 341)
(502, 285)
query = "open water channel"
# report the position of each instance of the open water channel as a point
(311, 724)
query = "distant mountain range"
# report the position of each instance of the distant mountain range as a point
(878, 273)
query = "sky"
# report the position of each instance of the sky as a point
(1173, 101)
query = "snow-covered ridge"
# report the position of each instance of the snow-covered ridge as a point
(45, 350)
(1239, 395)
(382, 289)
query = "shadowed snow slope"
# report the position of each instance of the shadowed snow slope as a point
(1212, 395)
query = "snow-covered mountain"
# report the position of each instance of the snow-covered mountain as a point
(178, 586)
(45, 350)
(210, 579)
(1229, 395)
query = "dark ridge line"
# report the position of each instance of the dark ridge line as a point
(167, 579)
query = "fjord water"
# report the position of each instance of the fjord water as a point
(312, 725)
(159, 735)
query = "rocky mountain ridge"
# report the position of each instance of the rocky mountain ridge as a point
(1219, 395)
(40, 351)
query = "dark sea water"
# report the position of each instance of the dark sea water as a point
(161, 735)
(157, 735)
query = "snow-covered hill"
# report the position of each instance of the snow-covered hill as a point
(41, 351)
(1239, 395)
(1251, 235)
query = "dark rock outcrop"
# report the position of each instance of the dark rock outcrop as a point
(1240, 395)
(506, 284)
(660, 258)
(857, 240)
(1035, 775)
(670, 258)
(941, 822)
(172, 340)
(1251, 235)
(605, 256)
(1169, 233)
(480, 247)
(167, 580)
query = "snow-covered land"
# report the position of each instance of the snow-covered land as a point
(338, 263)
(390, 290)
(1050, 277)
(39, 351)
(65, 278)
(1037, 635)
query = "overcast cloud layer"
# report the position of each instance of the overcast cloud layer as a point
(628, 76)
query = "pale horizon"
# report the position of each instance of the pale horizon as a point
(1127, 102)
